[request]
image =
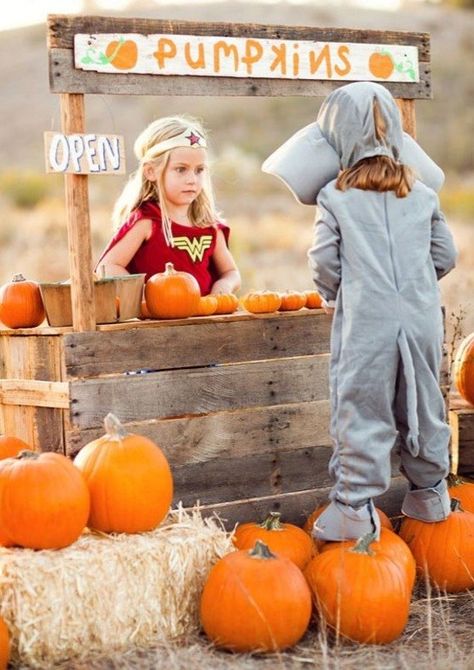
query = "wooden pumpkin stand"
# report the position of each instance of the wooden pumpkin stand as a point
(239, 403)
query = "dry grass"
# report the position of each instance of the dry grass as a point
(438, 637)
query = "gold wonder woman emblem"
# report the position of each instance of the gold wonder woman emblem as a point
(195, 247)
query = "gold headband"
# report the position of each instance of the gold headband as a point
(190, 138)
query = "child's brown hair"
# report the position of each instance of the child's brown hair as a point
(377, 173)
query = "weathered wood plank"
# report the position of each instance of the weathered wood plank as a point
(295, 507)
(199, 390)
(227, 434)
(34, 392)
(63, 78)
(261, 474)
(33, 358)
(461, 419)
(62, 28)
(100, 353)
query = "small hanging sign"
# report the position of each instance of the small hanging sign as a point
(84, 153)
(197, 55)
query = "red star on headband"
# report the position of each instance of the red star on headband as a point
(193, 139)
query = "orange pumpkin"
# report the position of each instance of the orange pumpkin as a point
(390, 544)
(55, 515)
(360, 592)
(463, 491)
(381, 64)
(283, 539)
(463, 371)
(313, 300)
(4, 645)
(291, 301)
(172, 294)
(255, 601)
(207, 305)
(129, 480)
(122, 54)
(261, 302)
(21, 305)
(11, 446)
(227, 303)
(443, 551)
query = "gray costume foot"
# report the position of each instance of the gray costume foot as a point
(342, 522)
(430, 504)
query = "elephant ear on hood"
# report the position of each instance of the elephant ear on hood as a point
(343, 134)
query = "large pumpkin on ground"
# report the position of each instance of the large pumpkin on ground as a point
(283, 539)
(360, 592)
(129, 480)
(463, 372)
(443, 551)
(4, 645)
(172, 294)
(255, 601)
(44, 501)
(11, 446)
(462, 490)
(21, 304)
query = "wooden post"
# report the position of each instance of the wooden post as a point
(407, 112)
(79, 235)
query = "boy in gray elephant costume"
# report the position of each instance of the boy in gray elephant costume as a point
(380, 245)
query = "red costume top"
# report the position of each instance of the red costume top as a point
(192, 251)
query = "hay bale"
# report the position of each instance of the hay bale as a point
(105, 593)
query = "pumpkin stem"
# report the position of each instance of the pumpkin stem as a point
(456, 505)
(362, 546)
(169, 269)
(27, 454)
(261, 551)
(272, 522)
(18, 277)
(113, 427)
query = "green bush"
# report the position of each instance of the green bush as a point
(25, 189)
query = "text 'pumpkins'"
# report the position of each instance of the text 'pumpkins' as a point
(129, 480)
(172, 294)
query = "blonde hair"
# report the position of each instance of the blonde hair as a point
(378, 173)
(139, 189)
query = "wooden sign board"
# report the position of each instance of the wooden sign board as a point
(84, 153)
(217, 56)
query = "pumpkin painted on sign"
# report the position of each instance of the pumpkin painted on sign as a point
(255, 601)
(21, 304)
(129, 480)
(284, 539)
(172, 294)
(55, 515)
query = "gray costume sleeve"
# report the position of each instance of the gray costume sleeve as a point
(323, 256)
(443, 251)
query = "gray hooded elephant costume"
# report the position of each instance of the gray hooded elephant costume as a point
(378, 257)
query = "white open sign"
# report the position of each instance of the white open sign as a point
(84, 153)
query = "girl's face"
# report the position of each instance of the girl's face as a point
(184, 175)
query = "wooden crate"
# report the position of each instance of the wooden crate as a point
(239, 403)
(461, 419)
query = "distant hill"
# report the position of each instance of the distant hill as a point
(445, 124)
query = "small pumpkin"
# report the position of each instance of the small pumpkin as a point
(443, 551)
(261, 302)
(291, 301)
(55, 515)
(172, 294)
(283, 539)
(227, 303)
(255, 601)
(4, 645)
(21, 304)
(129, 480)
(360, 592)
(463, 370)
(11, 446)
(463, 491)
(207, 305)
(313, 300)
